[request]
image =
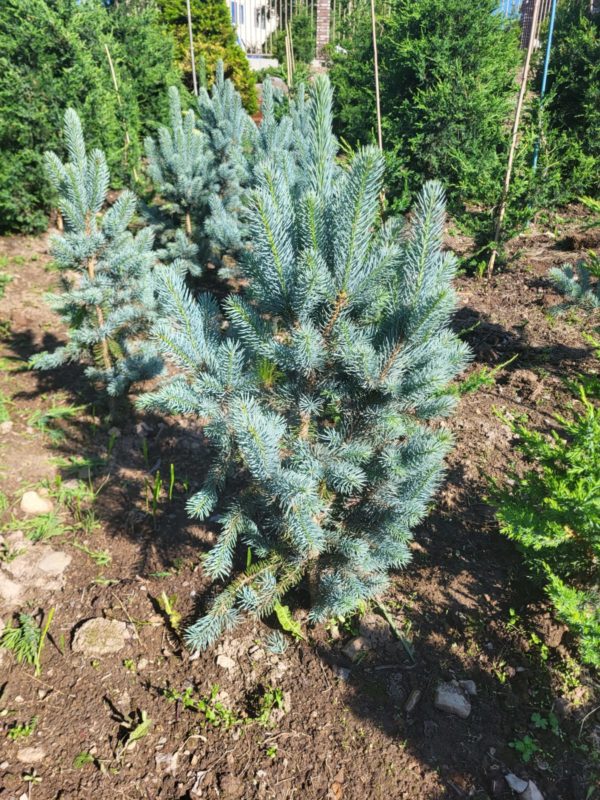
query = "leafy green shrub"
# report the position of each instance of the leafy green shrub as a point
(214, 41)
(303, 39)
(316, 388)
(448, 70)
(572, 107)
(553, 514)
(52, 56)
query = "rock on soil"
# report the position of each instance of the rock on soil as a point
(450, 697)
(532, 792)
(225, 662)
(99, 637)
(33, 503)
(31, 755)
(36, 570)
(517, 784)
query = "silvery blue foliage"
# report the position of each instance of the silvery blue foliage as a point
(107, 298)
(318, 393)
(276, 643)
(204, 167)
(580, 284)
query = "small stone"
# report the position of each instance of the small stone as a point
(99, 637)
(6, 426)
(10, 591)
(258, 654)
(517, 784)
(142, 663)
(450, 698)
(343, 673)
(225, 662)
(167, 762)
(413, 699)
(469, 687)
(4, 765)
(54, 562)
(33, 503)
(532, 792)
(31, 755)
(355, 647)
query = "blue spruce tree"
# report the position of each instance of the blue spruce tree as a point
(179, 167)
(318, 395)
(203, 168)
(107, 298)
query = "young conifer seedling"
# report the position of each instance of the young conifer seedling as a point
(318, 396)
(203, 168)
(107, 297)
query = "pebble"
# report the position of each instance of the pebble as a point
(413, 699)
(6, 426)
(355, 647)
(54, 562)
(469, 687)
(31, 755)
(517, 784)
(450, 698)
(99, 637)
(33, 503)
(225, 662)
(532, 792)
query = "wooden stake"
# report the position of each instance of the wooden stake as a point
(192, 57)
(120, 104)
(513, 144)
(376, 67)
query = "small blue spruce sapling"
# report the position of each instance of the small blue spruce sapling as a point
(178, 166)
(203, 168)
(318, 394)
(107, 298)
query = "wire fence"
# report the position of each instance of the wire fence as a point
(257, 22)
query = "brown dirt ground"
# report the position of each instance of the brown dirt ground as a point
(344, 732)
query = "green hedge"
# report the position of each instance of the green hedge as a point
(52, 56)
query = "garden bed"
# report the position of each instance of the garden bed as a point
(321, 720)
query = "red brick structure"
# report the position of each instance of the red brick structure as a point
(323, 20)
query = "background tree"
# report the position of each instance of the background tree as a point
(214, 41)
(448, 71)
(52, 55)
(570, 137)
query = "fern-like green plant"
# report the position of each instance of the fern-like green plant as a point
(552, 513)
(26, 640)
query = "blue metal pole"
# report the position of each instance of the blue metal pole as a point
(536, 151)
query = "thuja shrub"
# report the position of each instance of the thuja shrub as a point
(318, 387)
(552, 513)
(448, 82)
(107, 297)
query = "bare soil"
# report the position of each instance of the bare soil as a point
(464, 606)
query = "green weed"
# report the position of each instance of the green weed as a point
(48, 421)
(22, 731)
(525, 747)
(101, 558)
(44, 526)
(26, 640)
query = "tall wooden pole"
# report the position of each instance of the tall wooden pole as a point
(513, 144)
(376, 68)
(120, 104)
(192, 57)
